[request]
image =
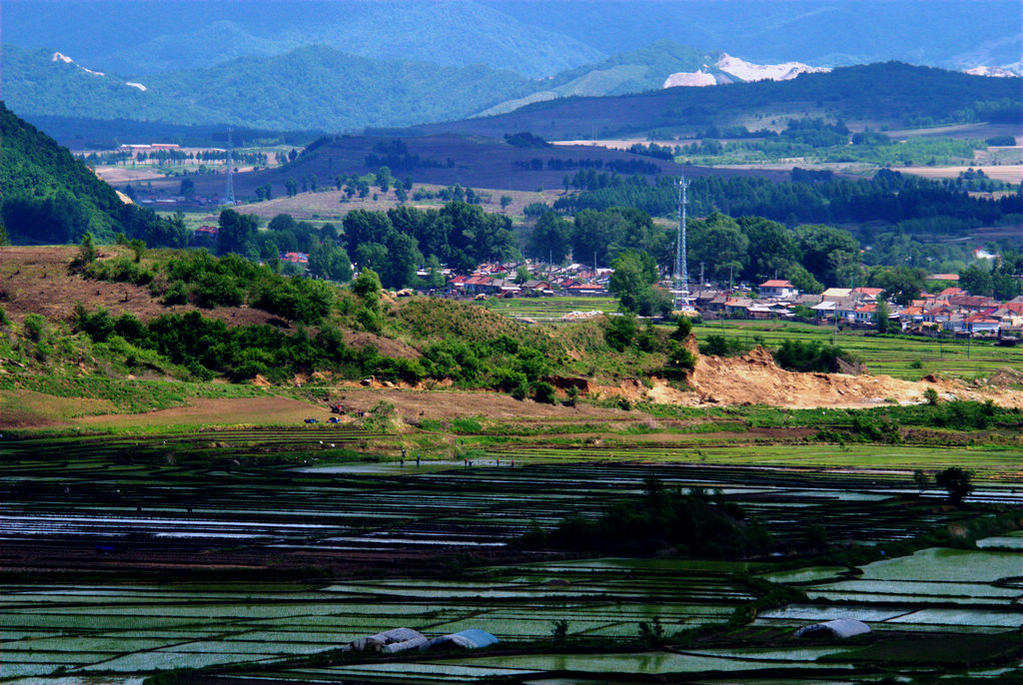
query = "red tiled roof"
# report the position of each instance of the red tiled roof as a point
(776, 284)
(873, 292)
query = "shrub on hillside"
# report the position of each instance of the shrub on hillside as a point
(797, 355)
(720, 346)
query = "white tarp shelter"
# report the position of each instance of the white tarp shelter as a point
(390, 641)
(473, 638)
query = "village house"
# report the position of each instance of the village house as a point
(778, 289)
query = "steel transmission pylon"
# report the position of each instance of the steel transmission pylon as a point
(681, 275)
(229, 189)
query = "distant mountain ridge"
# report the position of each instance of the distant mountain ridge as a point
(314, 87)
(320, 88)
(450, 33)
(892, 93)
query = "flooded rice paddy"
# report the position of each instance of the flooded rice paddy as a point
(189, 552)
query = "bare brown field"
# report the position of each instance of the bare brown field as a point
(216, 412)
(115, 175)
(452, 404)
(1010, 173)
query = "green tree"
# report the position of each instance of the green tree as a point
(522, 274)
(620, 331)
(551, 238)
(367, 286)
(505, 201)
(331, 262)
(87, 249)
(903, 284)
(803, 279)
(718, 242)
(824, 250)
(881, 314)
(403, 258)
(772, 248)
(291, 186)
(235, 230)
(683, 327)
(632, 282)
(976, 280)
(384, 179)
(956, 481)
(138, 248)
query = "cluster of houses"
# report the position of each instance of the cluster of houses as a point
(950, 310)
(499, 280)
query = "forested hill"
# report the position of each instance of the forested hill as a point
(313, 87)
(48, 196)
(890, 93)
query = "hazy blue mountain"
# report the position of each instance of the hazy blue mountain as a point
(313, 87)
(953, 34)
(143, 37)
(204, 46)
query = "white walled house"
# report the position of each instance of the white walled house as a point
(777, 289)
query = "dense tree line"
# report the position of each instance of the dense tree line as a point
(889, 196)
(747, 249)
(394, 243)
(1001, 280)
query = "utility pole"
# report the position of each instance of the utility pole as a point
(229, 190)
